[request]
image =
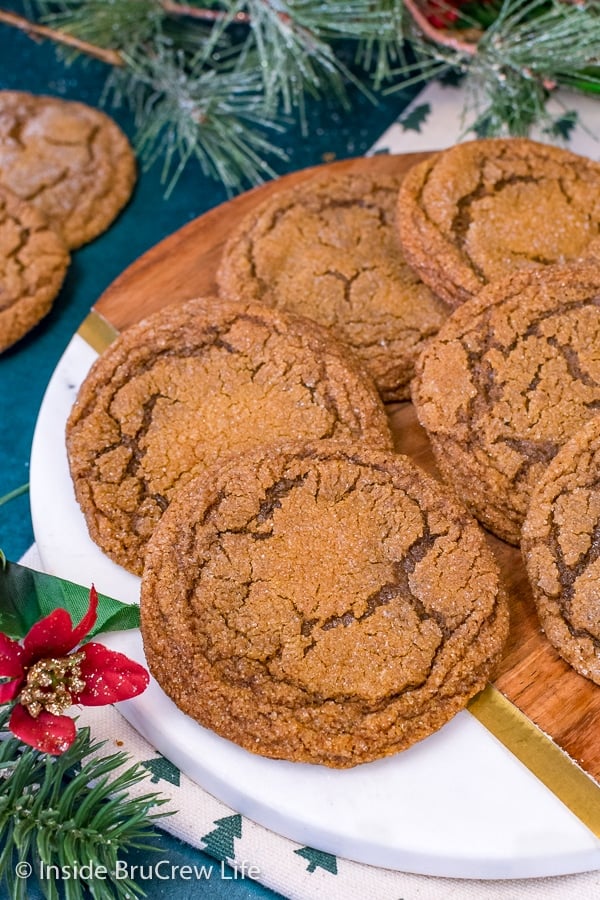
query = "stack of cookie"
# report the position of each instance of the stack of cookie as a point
(508, 233)
(191, 385)
(66, 170)
(306, 591)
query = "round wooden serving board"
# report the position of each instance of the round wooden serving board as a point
(532, 676)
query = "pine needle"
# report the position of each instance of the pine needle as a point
(211, 81)
(12, 495)
(70, 812)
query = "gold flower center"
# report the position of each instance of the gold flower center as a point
(51, 684)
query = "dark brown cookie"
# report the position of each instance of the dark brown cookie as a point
(69, 160)
(321, 603)
(328, 249)
(33, 263)
(191, 385)
(507, 381)
(561, 549)
(480, 210)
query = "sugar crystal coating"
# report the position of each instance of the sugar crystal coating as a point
(509, 378)
(561, 549)
(328, 249)
(191, 385)
(483, 209)
(322, 603)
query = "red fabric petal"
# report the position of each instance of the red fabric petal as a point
(10, 689)
(48, 733)
(109, 676)
(55, 636)
(51, 636)
(11, 655)
(88, 621)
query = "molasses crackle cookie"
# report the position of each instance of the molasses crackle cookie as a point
(325, 603)
(329, 250)
(510, 377)
(561, 550)
(33, 264)
(69, 160)
(192, 384)
(480, 210)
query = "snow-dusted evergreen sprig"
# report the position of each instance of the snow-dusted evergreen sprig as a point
(212, 80)
(531, 48)
(186, 109)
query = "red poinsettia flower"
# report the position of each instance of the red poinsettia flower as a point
(46, 677)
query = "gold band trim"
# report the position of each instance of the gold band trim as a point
(544, 758)
(97, 332)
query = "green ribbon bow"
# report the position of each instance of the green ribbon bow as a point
(26, 596)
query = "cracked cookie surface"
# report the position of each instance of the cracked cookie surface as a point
(68, 159)
(510, 377)
(328, 249)
(321, 603)
(192, 384)
(561, 549)
(480, 210)
(33, 264)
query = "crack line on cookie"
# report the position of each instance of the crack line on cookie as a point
(569, 575)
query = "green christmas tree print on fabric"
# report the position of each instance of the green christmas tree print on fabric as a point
(161, 768)
(413, 120)
(317, 858)
(563, 126)
(220, 842)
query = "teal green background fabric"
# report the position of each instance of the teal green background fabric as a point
(26, 368)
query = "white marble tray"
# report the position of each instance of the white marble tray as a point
(457, 804)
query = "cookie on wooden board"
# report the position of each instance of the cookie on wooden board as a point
(478, 211)
(33, 263)
(510, 377)
(561, 549)
(68, 159)
(192, 384)
(321, 603)
(328, 249)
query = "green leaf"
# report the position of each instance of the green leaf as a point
(26, 596)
